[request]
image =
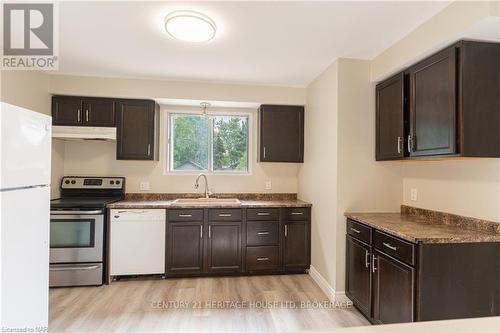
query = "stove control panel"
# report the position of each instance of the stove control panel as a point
(92, 183)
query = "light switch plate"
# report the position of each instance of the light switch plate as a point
(269, 185)
(144, 186)
(413, 194)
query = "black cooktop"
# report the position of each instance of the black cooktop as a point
(83, 202)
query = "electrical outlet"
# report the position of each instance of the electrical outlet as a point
(144, 186)
(413, 194)
(269, 185)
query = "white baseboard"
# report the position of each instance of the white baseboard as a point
(333, 296)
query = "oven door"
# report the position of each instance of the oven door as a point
(76, 236)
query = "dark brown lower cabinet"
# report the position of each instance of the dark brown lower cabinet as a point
(184, 248)
(358, 271)
(391, 280)
(393, 289)
(221, 241)
(224, 247)
(296, 254)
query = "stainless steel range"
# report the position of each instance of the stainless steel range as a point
(77, 229)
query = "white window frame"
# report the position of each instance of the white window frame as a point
(179, 110)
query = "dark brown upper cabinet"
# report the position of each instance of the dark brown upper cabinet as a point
(281, 133)
(99, 112)
(136, 137)
(67, 111)
(433, 110)
(83, 111)
(390, 131)
(449, 107)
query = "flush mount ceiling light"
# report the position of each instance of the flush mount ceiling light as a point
(190, 26)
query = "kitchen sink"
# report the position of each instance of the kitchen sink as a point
(207, 201)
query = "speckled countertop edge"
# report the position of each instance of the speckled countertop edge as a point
(248, 200)
(424, 226)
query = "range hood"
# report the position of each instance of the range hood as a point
(83, 133)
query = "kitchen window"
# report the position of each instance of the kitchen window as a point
(217, 143)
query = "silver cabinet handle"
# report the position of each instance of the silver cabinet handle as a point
(263, 214)
(79, 115)
(73, 268)
(355, 230)
(367, 259)
(409, 144)
(263, 233)
(286, 230)
(149, 149)
(373, 264)
(185, 215)
(400, 141)
(225, 215)
(388, 245)
(209, 231)
(262, 259)
(201, 231)
(297, 213)
(87, 115)
(264, 151)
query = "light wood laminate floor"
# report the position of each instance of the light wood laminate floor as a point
(152, 305)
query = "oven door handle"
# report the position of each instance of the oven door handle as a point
(74, 268)
(76, 212)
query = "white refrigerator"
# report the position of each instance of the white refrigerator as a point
(25, 150)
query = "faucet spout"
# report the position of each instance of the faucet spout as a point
(197, 184)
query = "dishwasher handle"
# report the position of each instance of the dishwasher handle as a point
(134, 215)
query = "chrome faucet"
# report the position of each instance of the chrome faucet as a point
(196, 184)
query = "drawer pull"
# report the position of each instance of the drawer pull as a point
(263, 214)
(297, 213)
(388, 245)
(263, 259)
(263, 233)
(367, 259)
(225, 215)
(356, 230)
(185, 215)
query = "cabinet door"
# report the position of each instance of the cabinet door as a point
(433, 105)
(99, 112)
(224, 247)
(393, 284)
(358, 274)
(67, 111)
(135, 130)
(281, 133)
(390, 103)
(296, 246)
(184, 248)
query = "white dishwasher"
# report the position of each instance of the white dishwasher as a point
(137, 241)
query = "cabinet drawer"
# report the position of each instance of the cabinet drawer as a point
(185, 215)
(395, 247)
(262, 233)
(264, 214)
(224, 214)
(297, 214)
(262, 258)
(359, 231)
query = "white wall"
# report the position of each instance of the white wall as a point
(340, 173)
(29, 89)
(99, 158)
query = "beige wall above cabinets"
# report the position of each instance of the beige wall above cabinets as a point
(340, 173)
(29, 89)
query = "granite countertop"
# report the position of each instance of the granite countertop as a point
(248, 200)
(244, 204)
(423, 226)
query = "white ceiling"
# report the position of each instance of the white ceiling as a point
(274, 43)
